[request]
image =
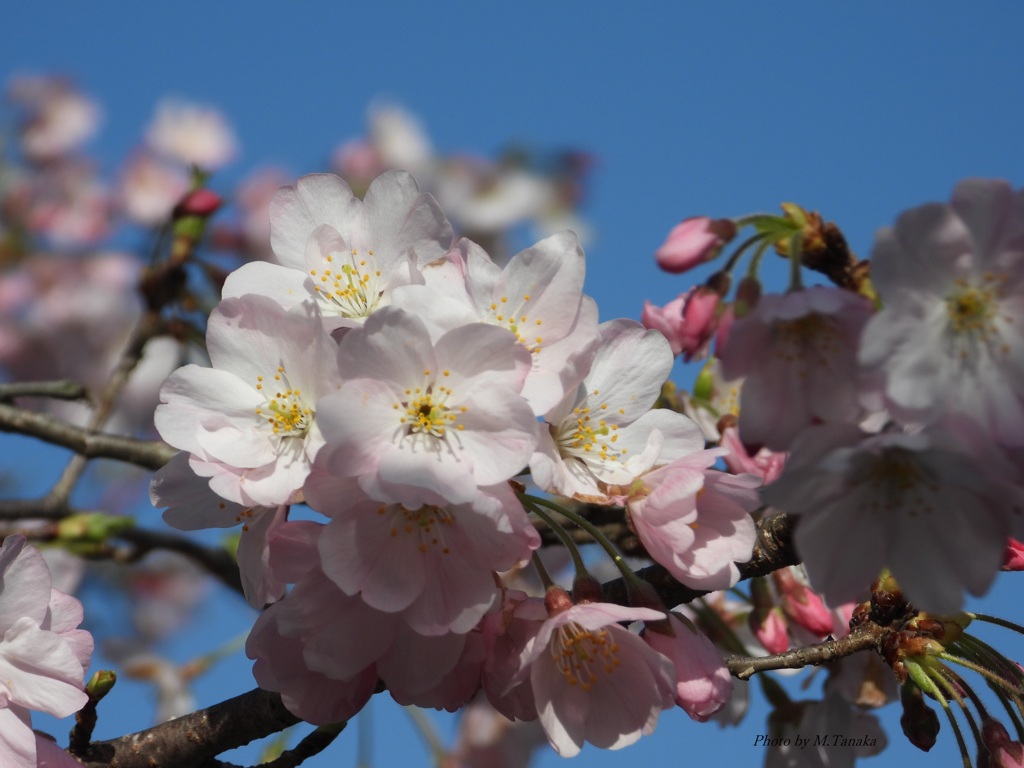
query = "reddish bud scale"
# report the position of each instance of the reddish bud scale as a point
(557, 601)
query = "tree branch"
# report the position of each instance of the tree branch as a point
(195, 739)
(864, 637)
(216, 561)
(59, 390)
(151, 454)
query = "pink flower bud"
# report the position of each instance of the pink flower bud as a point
(802, 605)
(700, 320)
(199, 202)
(770, 629)
(692, 242)
(1013, 557)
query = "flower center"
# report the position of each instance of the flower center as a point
(589, 436)
(582, 654)
(517, 319)
(895, 481)
(426, 410)
(426, 522)
(809, 341)
(284, 412)
(973, 311)
(349, 285)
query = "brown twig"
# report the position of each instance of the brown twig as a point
(214, 560)
(87, 443)
(58, 390)
(149, 326)
(864, 637)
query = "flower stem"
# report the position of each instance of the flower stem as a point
(554, 525)
(595, 532)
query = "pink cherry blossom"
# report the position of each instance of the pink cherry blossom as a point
(192, 506)
(935, 508)
(950, 337)
(506, 633)
(667, 319)
(766, 464)
(149, 188)
(58, 118)
(249, 422)
(692, 242)
(344, 253)
(537, 295)
(604, 434)
(703, 682)
(700, 319)
(695, 522)
(192, 135)
(434, 564)
(422, 420)
(316, 697)
(43, 656)
(798, 352)
(595, 681)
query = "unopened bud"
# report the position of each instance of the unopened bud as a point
(200, 202)
(919, 722)
(693, 242)
(100, 684)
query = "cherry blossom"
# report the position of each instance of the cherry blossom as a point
(695, 521)
(537, 295)
(43, 656)
(423, 420)
(344, 253)
(59, 118)
(951, 334)
(703, 682)
(604, 434)
(667, 319)
(798, 354)
(931, 507)
(191, 134)
(434, 564)
(595, 681)
(249, 423)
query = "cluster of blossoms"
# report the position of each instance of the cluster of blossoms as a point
(397, 383)
(888, 413)
(885, 415)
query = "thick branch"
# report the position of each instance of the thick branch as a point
(195, 739)
(864, 637)
(151, 454)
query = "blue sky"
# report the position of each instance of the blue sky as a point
(856, 110)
